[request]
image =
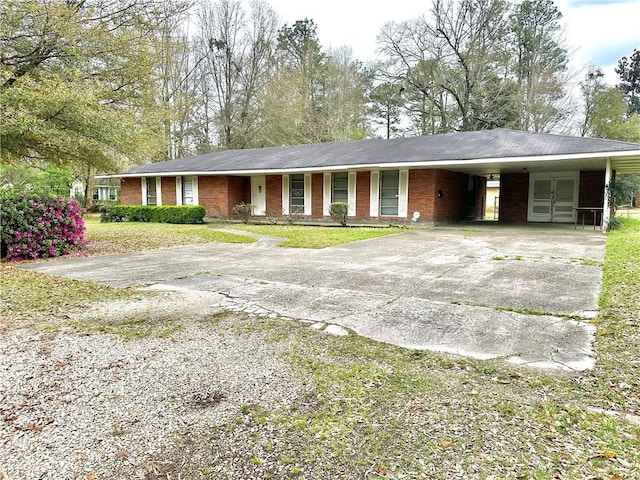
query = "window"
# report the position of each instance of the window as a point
(152, 195)
(296, 198)
(188, 190)
(389, 190)
(340, 187)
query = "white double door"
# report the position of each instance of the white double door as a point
(553, 197)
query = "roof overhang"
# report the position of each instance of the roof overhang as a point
(622, 161)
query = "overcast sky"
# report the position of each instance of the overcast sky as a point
(598, 31)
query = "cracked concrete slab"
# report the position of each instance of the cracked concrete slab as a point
(455, 289)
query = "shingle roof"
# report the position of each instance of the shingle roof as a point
(485, 144)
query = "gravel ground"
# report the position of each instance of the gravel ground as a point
(92, 405)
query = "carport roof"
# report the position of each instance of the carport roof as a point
(480, 152)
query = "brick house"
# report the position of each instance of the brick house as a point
(430, 179)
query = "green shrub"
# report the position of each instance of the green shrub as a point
(39, 226)
(338, 211)
(244, 210)
(154, 214)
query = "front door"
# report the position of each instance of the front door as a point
(552, 197)
(258, 195)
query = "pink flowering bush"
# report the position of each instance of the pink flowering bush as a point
(34, 226)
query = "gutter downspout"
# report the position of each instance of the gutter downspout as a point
(606, 211)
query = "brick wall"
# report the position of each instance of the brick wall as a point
(422, 194)
(363, 192)
(131, 191)
(273, 184)
(452, 206)
(239, 191)
(317, 195)
(514, 197)
(168, 190)
(213, 195)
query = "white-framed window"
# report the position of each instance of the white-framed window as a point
(389, 192)
(340, 187)
(296, 194)
(151, 191)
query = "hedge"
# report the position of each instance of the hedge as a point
(153, 214)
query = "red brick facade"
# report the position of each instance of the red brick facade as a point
(440, 196)
(317, 195)
(274, 195)
(514, 197)
(451, 203)
(131, 191)
(169, 191)
(363, 194)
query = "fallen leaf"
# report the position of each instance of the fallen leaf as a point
(90, 476)
(446, 443)
(382, 469)
(610, 454)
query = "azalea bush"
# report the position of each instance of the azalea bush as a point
(36, 226)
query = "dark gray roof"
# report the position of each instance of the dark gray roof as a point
(485, 144)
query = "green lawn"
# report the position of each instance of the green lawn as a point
(123, 237)
(300, 236)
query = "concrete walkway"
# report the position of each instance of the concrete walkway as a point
(524, 293)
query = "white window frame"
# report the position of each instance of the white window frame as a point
(403, 194)
(307, 194)
(327, 193)
(158, 191)
(179, 196)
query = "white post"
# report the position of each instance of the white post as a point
(605, 204)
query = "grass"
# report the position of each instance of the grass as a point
(373, 410)
(300, 236)
(32, 299)
(105, 238)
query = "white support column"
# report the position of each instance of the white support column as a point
(285, 194)
(143, 185)
(605, 205)
(374, 194)
(178, 190)
(351, 212)
(326, 194)
(307, 194)
(403, 193)
(159, 191)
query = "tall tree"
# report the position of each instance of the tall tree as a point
(541, 61)
(591, 87)
(313, 96)
(386, 101)
(609, 117)
(629, 71)
(75, 81)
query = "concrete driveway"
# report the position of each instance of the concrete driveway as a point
(524, 293)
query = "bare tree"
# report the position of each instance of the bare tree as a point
(238, 50)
